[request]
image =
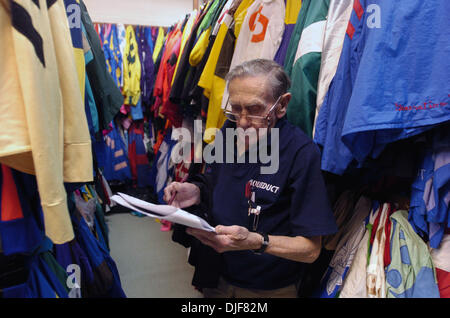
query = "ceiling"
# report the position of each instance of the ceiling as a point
(142, 12)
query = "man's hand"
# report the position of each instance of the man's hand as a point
(186, 194)
(236, 238)
(228, 238)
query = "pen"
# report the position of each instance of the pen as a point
(172, 198)
(175, 194)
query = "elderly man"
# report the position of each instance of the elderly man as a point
(268, 225)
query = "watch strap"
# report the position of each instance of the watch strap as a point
(264, 244)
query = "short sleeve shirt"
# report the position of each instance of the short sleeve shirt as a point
(293, 202)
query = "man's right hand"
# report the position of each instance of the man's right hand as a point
(186, 194)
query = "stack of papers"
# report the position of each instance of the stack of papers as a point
(164, 212)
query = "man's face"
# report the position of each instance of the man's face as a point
(250, 100)
(248, 97)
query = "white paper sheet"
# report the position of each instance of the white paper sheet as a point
(164, 212)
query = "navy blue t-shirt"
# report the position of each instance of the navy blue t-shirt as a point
(293, 203)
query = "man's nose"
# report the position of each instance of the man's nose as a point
(244, 122)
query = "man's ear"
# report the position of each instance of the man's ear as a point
(284, 101)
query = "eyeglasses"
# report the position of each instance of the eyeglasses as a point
(254, 119)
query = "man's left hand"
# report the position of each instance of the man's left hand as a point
(228, 238)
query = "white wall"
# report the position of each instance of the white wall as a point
(142, 12)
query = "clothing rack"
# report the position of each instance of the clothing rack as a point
(136, 25)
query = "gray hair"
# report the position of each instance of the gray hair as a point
(277, 78)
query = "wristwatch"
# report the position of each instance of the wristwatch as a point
(264, 244)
